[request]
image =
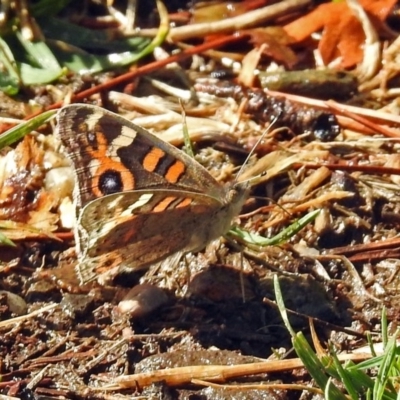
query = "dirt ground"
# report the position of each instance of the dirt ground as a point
(60, 339)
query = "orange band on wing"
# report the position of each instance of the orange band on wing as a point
(100, 150)
(175, 171)
(185, 202)
(152, 159)
(163, 204)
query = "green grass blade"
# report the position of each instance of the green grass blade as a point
(5, 241)
(280, 238)
(385, 335)
(384, 372)
(348, 378)
(281, 306)
(315, 367)
(19, 131)
(304, 351)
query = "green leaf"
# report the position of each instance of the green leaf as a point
(348, 378)
(40, 54)
(35, 63)
(45, 66)
(47, 7)
(69, 52)
(90, 39)
(9, 77)
(37, 76)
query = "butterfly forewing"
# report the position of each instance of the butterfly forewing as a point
(111, 155)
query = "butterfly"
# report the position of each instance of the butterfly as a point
(138, 199)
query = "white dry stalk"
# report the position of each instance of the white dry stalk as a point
(22, 318)
(168, 120)
(249, 66)
(243, 21)
(391, 68)
(372, 47)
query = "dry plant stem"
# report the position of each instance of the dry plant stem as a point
(4, 397)
(38, 377)
(79, 352)
(390, 69)
(254, 386)
(103, 355)
(375, 127)
(247, 20)
(320, 322)
(27, 316)
(315, 339)
(369, 169)
(215, 54)
(376, 116)
(360, 248)
(369, 256)
(357, 283)
(184, 375)
(154, 66)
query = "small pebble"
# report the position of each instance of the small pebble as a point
(142, 300)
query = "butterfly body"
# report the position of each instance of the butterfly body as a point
(138, 199)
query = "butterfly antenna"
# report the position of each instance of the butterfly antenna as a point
(266, 131)
(188, 148)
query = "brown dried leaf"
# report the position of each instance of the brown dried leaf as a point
(342, 34)
(275, 42)
(23, 197)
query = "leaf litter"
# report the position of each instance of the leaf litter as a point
(203, 315)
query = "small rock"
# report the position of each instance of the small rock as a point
(15, 303)
(220, 283)
(76, 305)
(42, 290)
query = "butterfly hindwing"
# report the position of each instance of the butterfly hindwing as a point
(142, 227)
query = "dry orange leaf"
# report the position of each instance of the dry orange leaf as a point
(275, 42)
(342, 34)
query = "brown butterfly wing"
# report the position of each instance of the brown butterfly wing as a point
(138, 198)
(138, 228)
(111, 154)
